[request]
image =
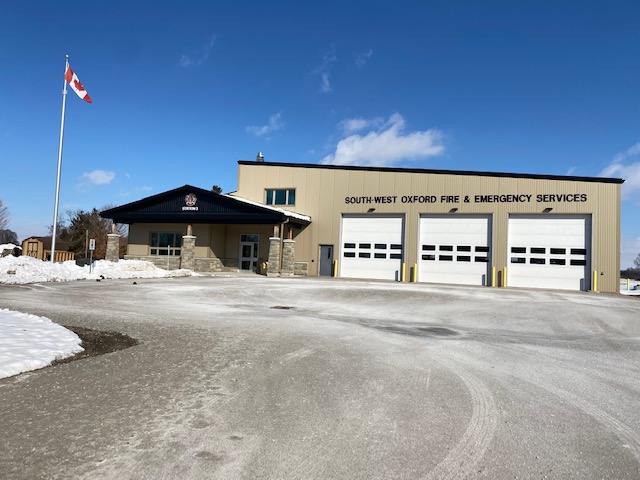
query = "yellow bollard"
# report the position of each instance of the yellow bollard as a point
(335, 268)
(504, 277)
(493, 276)
(404, 271)
(595, 281)
(415, 273)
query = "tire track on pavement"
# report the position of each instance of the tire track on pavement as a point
(462, 460)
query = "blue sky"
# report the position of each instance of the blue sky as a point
(182, 90)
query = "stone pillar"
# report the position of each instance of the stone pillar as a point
(188, 253)
(274, 257)
(288, 252)
(113, 247)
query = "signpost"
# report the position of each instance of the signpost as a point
(92, 247)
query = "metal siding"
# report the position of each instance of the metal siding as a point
(324, 191)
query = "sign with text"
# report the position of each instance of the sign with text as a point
(511, 198)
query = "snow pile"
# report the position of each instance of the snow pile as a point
(29, 342)
(634, 287)
(9, 249)
(25, 269)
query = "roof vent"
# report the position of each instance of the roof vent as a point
(260, 157)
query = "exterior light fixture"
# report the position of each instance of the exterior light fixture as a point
(453, 210)
(547, 210)
(371, 210)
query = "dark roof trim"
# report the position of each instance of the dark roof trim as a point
(218, 209)
(435, 172)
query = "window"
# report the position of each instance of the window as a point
(280, 196)
(463, 258)
(538, 250)
(349, 245)
(558, 251)
(446, 248)
(250, 237)
(165, 243)
(463, 248)
(578, 251)
(518, 250)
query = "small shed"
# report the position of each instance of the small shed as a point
(40, 248)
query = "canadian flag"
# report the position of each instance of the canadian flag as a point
(74, 83)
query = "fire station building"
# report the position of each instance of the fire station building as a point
(396, 224)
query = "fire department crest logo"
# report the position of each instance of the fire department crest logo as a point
(190, 200)
(190, 203)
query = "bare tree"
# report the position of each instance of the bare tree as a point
(637, 261)
(82, 224)
(4, 215)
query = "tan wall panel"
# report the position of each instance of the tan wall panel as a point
(321, 194)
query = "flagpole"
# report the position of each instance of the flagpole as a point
(55, 208)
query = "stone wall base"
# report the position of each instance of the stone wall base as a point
(301, 268)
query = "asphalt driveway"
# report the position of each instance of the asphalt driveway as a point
(263, 378)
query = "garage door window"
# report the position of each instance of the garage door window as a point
(381, 251)
(551, 256)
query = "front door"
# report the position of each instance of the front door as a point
(326, 260)
(249, 247)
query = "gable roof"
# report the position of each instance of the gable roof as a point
(205, 206)
(61, 245)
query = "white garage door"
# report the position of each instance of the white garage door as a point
(455, 249)
(371, 246)
(550, 251)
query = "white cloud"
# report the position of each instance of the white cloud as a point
(363, 57)
(275, 123)
(352, 125)
(620, 168)
(187, 61)
(385, 146)
(99, 177)
(323, 70)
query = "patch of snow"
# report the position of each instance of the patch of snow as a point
(632, 289)
(25, 269)
(29, 342)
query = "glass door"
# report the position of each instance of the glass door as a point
(249, 248)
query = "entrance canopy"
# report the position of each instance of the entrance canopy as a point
(189, 204)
